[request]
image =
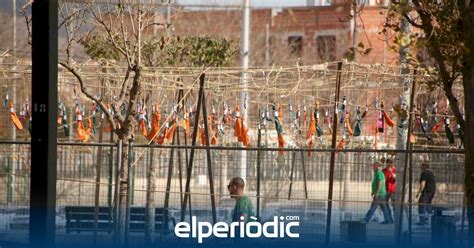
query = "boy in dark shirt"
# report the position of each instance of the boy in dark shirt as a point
(425, 193)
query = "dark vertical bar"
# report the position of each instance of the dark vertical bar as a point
(110, 177)
(187, 161)
(193, 143)
(259, 140)
(128, 200)
(97, 183)
(168, 185)
(44, 130)
(405, 168)
(117, 189)
(132, 182)
(463, 219)
(304, 176)
(180, 167)
(10, 172)
(208, 155)
(168, 182)
(129, 189)
(410, 195)
(81, 164)
(293, 161)
(333, 155)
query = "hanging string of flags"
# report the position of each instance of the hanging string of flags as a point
(310, 129)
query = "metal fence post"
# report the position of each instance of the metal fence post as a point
(129, 188)
(117, 188)
(111, 172)
(259, 139)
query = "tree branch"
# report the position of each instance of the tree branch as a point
(123, 91)
(108, 31)
(134, 92)
(98, 101)
(412, 22)
(434, 47)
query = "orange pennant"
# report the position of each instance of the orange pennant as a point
(412, 138)
(238, 125)
(155, 126)
(281, 143)
(170, 133)
(83, 133)
(388, 120)
(376, 137)
(143, 129)
(437, 127)
(161, 139)
(348, 125)
(245, 138)
(341, 144)
(310, 145)
(312, 127)
(107, 126)
(14, 118)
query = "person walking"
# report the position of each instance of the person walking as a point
(426, 193)
(243, 208)
(390, 173)
(379, 194)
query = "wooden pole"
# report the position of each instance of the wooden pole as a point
(208, 155)
(193, 143)
(304, 176)
(333, 155)
(180, 167)
(293, 161)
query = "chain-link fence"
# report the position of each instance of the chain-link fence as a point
(294, 182)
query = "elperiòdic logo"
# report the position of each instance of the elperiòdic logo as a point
(277, 228)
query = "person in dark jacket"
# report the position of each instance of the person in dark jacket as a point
(425, 193)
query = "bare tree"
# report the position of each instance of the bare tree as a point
(119, 24)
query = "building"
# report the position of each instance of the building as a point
(309, 34)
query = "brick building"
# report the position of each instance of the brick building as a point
(282, 36)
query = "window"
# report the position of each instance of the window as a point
(295, 43)
(326, 47)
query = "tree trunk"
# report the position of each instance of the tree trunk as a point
(150, 201)
(402, 139)
(468, 81)
(123, 192)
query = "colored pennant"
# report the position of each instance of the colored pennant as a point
(14, 118)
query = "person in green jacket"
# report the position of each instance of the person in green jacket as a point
(379, 194)
(243, 205)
